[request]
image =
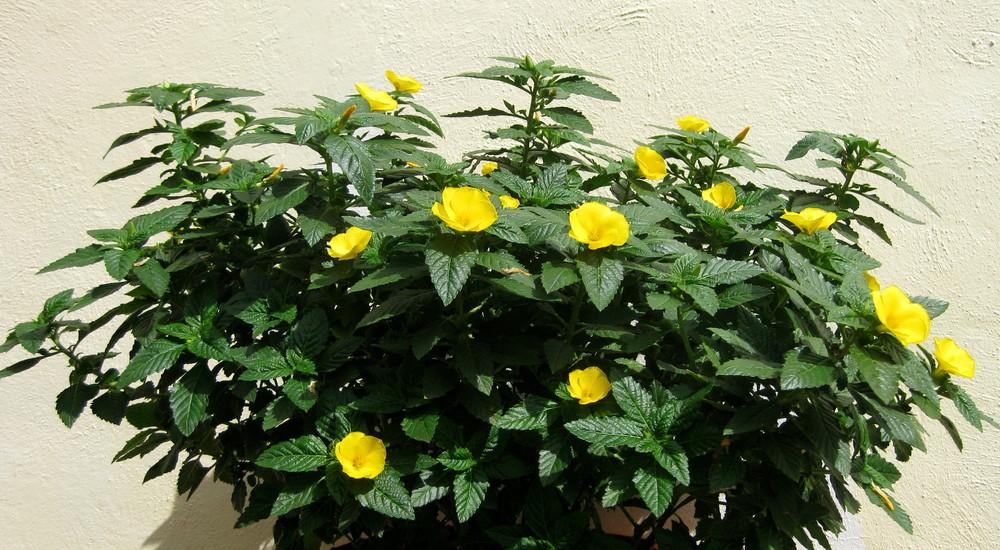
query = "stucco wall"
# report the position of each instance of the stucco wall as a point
(923, 76)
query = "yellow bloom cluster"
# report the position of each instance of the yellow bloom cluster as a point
(910, 323)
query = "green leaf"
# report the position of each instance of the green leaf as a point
(280, 198)
(748, 367)
(601, 278)
(535, 413)
(720, 272)
(20, 366)
(310, 333)
(704, 297)
(555, 277)
(398, 303)
(881, 377)
(608, 431)
(154, 357)
(899, 425)
(56, 304)
(110, 407)
(450, 259)
(500, 260)
(674, 460)
(571, 118)
(265, 364)
(293, 496)
(147, 225)
(351, 155)
(581, 86)
(119, 262)
(138, 165)
(470, 491)
(655, 488)
(78, 258)
(302, 454)
(798, 373)
(385, 276)
(259, 138)
(71, 401)
(553, 458)
(189, 398)
(422, 427)
(152, 275)
(635, 402)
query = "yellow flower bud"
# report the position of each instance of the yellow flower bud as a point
(402, 83)
(508, 201)
(906, 320)
(722, 195)
(597, 226)
(589, 385)
(953, 359)
(465, 209)
(741, 136)
(885, 498)
(412, 165)
(873, 284)
(361, 456)
(651, 164)
(225, 169)
(810, 220)
(488, 167)
(349, 244)
(347, 114)
(377, 99)
(274, 173)
(693, 123)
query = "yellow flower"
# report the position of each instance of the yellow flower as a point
(465, 209)
(872, 282)
(597, 226)
(360, 455)
(722, 195)
(651, 164)
(810, 220)
(402, 83)
(347, 245)
(741, 136)
(377, 99)
(488, 167)
(953, 359)
(508, 201)
(589, 385)
(693, 123)
(906, 320)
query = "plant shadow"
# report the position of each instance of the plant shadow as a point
(206, 522)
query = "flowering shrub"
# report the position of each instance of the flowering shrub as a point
(393, 350)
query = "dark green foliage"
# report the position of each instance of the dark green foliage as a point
(745, 359)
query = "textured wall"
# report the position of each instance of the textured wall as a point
(924, 76)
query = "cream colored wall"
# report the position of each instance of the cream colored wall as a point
(924, 76)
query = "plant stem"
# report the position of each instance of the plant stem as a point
(529, 123)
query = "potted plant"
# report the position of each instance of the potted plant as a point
(387, 349)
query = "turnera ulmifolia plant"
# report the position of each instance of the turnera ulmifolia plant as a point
(391, 349)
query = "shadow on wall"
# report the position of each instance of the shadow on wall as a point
(206, 523)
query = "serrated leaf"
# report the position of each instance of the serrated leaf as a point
(535, 413)
(581, 86)
(280, 198)
(78, 258)
(704, 297)
(301, 454)
(882, 377)
(748, 367)
(635, 402)
(571, 118)
(351, 155)
(798, 373)
(718, 271)
(71, 401)
(608, 431)
(450, 259)
(671, 456)
(655, 488)
(152, 275)
(154, 357)
(601, 276)
(265, 364)
(555, 277)
(119, 262)
(385, 276)
(553, 458)
(469, 490)
(189, 398)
